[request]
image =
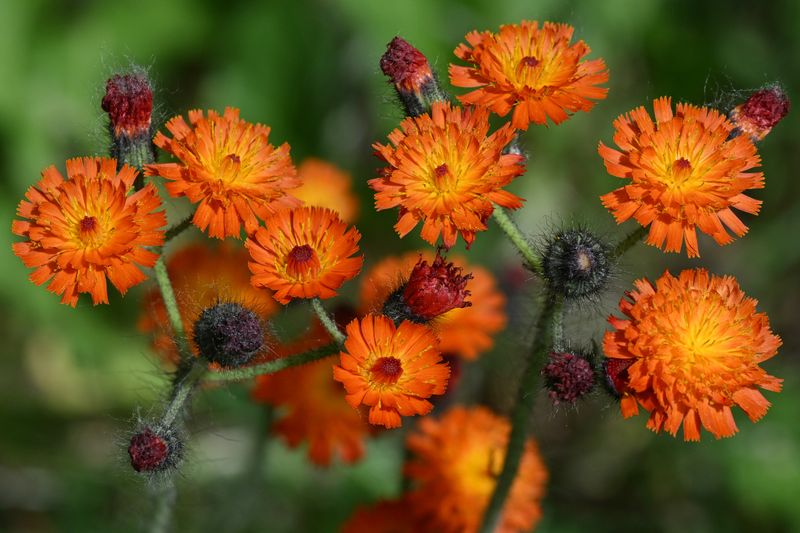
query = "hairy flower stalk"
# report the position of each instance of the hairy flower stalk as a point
(520, 417)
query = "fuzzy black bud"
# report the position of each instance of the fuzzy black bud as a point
(229, 334)
(576, 263)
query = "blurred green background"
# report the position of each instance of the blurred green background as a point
(70, 379)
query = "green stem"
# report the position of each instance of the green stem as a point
(516, 237)
(178, 228)
(628, 242)
(520, 417)
(186, 379)
(171, 305)
(327, 321)
(277, 365)
(165, 503)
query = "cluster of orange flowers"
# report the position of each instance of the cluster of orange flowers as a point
(688, 349)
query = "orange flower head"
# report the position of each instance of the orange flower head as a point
(229, 168)
(686, 173)
(456, 463)
(388, 516)
(442, 170)
(465, 331)
(315, 409)
(325, 185)
(202, 276)
(687, 351)
(86, 229)
(533, 70)
(303, 253)
(393, 370)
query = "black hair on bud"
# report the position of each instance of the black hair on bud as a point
(576, 263)
(229, 334)
(154, 450)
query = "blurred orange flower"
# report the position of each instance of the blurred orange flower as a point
(390, 369)
(685, 174)
(688, 351)
(87, 229)
(316, 410)
(202, 276)
(456, 463)
(229, 168)
(388, 516)
(325, 185)
(535, 71)
(442, 170)
(303, 253)
(465, 331)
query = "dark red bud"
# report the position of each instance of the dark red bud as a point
(761, 112)
(129, 104)
(435, 289)
(568, 377)
(149, 452)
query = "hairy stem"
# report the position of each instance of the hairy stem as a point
(520, 417)
(277, 365)
(171, 305)
(628, 242)
(178, 228)
(516, 237)
(327, 321)
(165, 503)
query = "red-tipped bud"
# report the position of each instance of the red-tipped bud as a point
(409, 71)
(616, 374)
(129, 104)
(152, 451)
(568, 377)
(431, 290)
(761, 112)
(407, 67)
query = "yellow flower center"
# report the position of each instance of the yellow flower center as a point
(479, 468)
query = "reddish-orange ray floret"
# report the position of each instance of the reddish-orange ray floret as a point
(533, 70)
(685, 174)
(690, 349)
(87, 229)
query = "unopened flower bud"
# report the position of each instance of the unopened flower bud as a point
(568, 377)
(129, 104)
(760, 112)
(431, 290)
(154, 451)
(409, 71)
(229, 334)
(576, 263)
(615, 372)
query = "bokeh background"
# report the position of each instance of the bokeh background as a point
(71, 380)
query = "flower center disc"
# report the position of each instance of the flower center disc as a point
(387, 370)
(302, 261)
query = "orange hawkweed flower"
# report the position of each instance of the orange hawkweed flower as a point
(465, 331)
(456, 463)
(535, 71)
(88, 228)
(229, 168)
(688, 350)
(303, 253)
(388, 516)
(316, 410)
(686, 173)
(201, 276)
(325, 185)
(390, 369)
(445, 172)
